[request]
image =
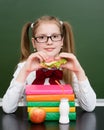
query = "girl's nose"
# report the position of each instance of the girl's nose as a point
(49, 42)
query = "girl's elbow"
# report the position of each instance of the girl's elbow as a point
(90, 106)
(8, 110)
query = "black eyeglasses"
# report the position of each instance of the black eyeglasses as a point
(44, 38)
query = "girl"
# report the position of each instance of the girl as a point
(52, 39)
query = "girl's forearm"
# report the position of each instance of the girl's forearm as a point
(81, 75)
(22, 76)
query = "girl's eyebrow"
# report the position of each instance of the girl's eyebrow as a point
(46, 34)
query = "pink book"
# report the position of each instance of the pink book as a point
(48, 89)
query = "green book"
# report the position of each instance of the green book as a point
(55, 116)
(47, 104)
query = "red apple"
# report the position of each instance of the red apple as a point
(37, 115)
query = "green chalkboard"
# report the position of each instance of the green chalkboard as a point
(86, 17)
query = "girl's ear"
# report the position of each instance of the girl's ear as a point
(33, 42)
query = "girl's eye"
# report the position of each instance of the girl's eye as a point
(41, 37)
(55, 36)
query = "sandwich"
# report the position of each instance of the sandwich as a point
(53, 64)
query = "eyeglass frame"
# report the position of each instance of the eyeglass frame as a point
(47, 38)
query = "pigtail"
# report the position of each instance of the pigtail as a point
(68, 38)
(25, 42)
(68, 47)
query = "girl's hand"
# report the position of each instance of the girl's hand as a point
(73, 65)
(34, 60)
(32, 64)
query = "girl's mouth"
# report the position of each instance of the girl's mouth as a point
(49, 49)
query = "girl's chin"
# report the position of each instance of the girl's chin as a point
(52, 54)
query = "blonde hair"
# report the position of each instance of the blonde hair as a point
(66, 31)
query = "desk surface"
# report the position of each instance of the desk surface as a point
(85, 121)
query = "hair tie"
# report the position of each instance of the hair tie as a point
(61, 22)
(32, 25)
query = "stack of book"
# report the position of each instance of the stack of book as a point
(48, 97)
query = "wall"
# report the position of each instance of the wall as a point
(86, 17)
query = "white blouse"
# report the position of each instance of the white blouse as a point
(84, 93)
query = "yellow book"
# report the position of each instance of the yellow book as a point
(52, 109)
